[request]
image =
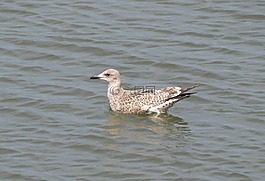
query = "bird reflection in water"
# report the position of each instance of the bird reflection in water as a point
(119, 124)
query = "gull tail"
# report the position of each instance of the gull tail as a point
(184, 94)
(188, 88)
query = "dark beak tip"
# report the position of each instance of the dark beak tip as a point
(94, 77)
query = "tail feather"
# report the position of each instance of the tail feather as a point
(188, 88)
(184, 94)
(181, 96)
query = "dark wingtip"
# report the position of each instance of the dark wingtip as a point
(182, 96)
(188, 88)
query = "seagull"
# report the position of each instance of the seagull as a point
(142, 101)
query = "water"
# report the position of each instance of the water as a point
(55, 123)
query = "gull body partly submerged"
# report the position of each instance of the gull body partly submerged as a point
(140, 101)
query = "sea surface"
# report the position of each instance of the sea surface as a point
(55, 123)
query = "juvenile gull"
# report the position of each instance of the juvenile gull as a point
(140, 101)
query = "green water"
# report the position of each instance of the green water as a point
(55, 123)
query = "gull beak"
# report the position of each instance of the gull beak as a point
(95, 77)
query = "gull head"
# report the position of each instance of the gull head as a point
(110, 75)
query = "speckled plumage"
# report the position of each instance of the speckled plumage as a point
(140, 101)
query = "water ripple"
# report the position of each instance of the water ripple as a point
(56, 123)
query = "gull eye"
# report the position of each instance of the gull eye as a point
(107, 74)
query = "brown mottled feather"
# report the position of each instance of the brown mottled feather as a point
(140, 101)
